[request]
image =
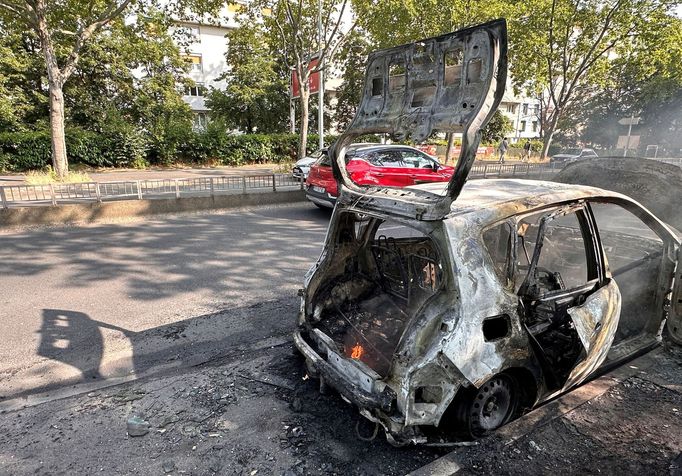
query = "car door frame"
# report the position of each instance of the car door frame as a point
(395, 174)
(599, 330)
(671, 308)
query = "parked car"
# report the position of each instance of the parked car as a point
(302, 166)
(443, 314)
(375, 164)
(571, 155)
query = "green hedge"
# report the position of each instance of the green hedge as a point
(21, 151)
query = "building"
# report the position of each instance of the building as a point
(206, 53)
(524, 113)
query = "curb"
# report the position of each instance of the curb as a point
(97, 212)
(449, 464)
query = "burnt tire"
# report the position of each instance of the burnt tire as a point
(492, 405)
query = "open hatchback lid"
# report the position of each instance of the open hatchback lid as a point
(449, 83)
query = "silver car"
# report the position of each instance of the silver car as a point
(568, 156)
(445, 312)
(302, 166)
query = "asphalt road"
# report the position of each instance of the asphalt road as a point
(110, 300)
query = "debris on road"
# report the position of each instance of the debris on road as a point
(137, 426)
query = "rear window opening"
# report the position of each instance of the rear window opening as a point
(396, 77)
(452, 63)
(386, 280)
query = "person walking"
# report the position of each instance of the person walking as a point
(525, 157)
(504, 145)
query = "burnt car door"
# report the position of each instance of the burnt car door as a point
(450, 83)
(642, 256)
(567, 305)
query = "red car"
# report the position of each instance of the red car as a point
(376, 164)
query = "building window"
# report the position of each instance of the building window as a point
(200, 121)
(535, 126)
(194, 31)
(522, 126)
(511, 108)
(197, 90)
(195, 62)
(536, 109)
(525, 109)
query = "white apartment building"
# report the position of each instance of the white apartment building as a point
(206, 53)
(524, 112)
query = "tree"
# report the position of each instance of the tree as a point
(394, 22)
(352, 60)
(498, 128)
(65, 32)
(256, 96)
(51, 22)
(565, 47)
(292, 28)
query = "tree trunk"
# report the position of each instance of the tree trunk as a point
(303, 137)
(449, 151)
(549, 133)
(60, 163)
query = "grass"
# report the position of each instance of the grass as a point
(44, 177)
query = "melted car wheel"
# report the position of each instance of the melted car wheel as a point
(493, 405)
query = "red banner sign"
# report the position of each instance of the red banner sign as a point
(313, 81)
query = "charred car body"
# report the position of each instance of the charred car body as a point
(443, 312)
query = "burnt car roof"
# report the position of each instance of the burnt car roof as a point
(495, 199)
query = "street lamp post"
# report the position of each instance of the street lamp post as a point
(320, 107)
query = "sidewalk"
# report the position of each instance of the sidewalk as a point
(256, 412)
(152, 173)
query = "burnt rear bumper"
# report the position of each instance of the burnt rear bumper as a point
(351, 391)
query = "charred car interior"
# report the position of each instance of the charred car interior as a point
(444, 313)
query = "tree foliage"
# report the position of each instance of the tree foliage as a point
(561, 51)
(292, 31)
(394, 22)
(352, 61)
(566, 47)
(499, 127)
(256, 97)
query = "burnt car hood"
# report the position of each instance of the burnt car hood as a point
(449, 83)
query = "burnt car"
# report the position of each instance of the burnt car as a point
(445, 312)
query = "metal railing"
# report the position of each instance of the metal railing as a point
(496, 170)
(56, 194)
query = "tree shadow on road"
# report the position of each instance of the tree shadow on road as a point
(75, 339)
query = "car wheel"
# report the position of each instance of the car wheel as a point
(493, 405)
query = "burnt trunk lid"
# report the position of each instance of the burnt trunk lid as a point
(449, 83)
